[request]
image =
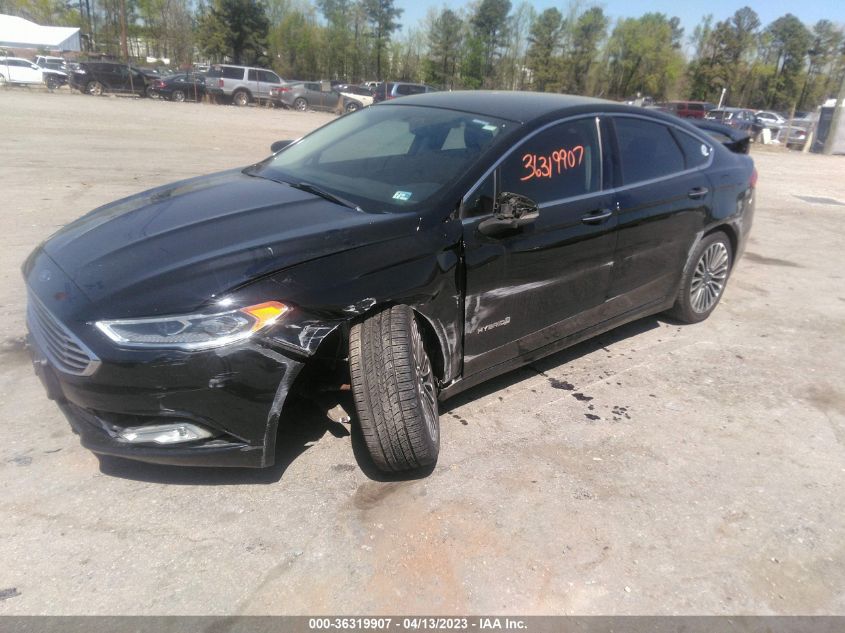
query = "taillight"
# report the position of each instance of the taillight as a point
(753, 180)
(160, 84)
(219, 83)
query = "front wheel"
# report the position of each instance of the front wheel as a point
(2, 79)
(352, 107)
(52, 83)
(394, 389)
(178, 95)
(94, 88)
(704, 279)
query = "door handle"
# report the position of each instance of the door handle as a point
(698, 192)
(596, 216)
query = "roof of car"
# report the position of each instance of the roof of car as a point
(511, 105)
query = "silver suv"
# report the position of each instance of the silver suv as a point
(241, 84)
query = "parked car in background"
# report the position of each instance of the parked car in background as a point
(771, 120)
(181, 87)
(241, 84)
(97, 78)
(394, 89)
(19, 71)
(313, 95)
(737, 118)
(410, 252)
(795, 132)
(51, 63)
(688, 109)
(735, 140)
(357, 93)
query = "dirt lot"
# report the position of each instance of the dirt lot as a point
(711, 482)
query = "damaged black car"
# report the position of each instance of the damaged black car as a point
(408, 251)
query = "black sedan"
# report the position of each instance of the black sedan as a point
(407, 251)
(181, 87)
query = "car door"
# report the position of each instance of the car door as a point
(531, 287)
(313, 95)
(662, 201)
(267, 81)
(32, 73)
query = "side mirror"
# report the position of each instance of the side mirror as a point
(279, 145)
(510, 214)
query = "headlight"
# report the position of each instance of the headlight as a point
(193, 331)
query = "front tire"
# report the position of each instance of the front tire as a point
(394, 389)
(94, 88)
(352, 107)
(704, 279)
(177, 95)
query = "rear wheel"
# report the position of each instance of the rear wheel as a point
(300, 104)
(240, 98)
(178, 95)
(150, 93)
(2, 80)
(352, 106)
(704, 280)
(52, 82)
(395, 391)
(94, 88)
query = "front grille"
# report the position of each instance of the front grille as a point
(64, 351)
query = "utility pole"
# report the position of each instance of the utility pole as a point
(834, 122)
(123, 43)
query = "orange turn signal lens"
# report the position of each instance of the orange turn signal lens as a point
(265, 313)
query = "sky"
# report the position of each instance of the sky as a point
(690, 11)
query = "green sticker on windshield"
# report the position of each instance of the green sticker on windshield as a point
(402, 195)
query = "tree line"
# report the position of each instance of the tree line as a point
(485, 44)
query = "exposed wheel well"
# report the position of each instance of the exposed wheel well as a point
(335, 347)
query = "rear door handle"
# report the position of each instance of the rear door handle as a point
(594, 217)
(698, 192)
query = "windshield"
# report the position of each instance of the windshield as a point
(387, 158)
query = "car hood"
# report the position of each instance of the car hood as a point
(175, 248)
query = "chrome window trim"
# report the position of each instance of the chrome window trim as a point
(524, 140)
(598, 117)
(674, 174)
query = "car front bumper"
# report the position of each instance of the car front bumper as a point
(237, 394)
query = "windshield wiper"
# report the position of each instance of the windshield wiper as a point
(305, 186)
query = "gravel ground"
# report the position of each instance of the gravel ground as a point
(658, 469)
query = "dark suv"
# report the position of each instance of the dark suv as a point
(96, 78)
(688, 109)
(393, 89)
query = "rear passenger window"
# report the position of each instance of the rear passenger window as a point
(696, 151)
(252, 75)
(230, 72)
(561, 162)
(646, 150)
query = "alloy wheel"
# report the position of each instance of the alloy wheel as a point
(425, 382)
(708, 278)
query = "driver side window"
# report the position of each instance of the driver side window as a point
(563, 161)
